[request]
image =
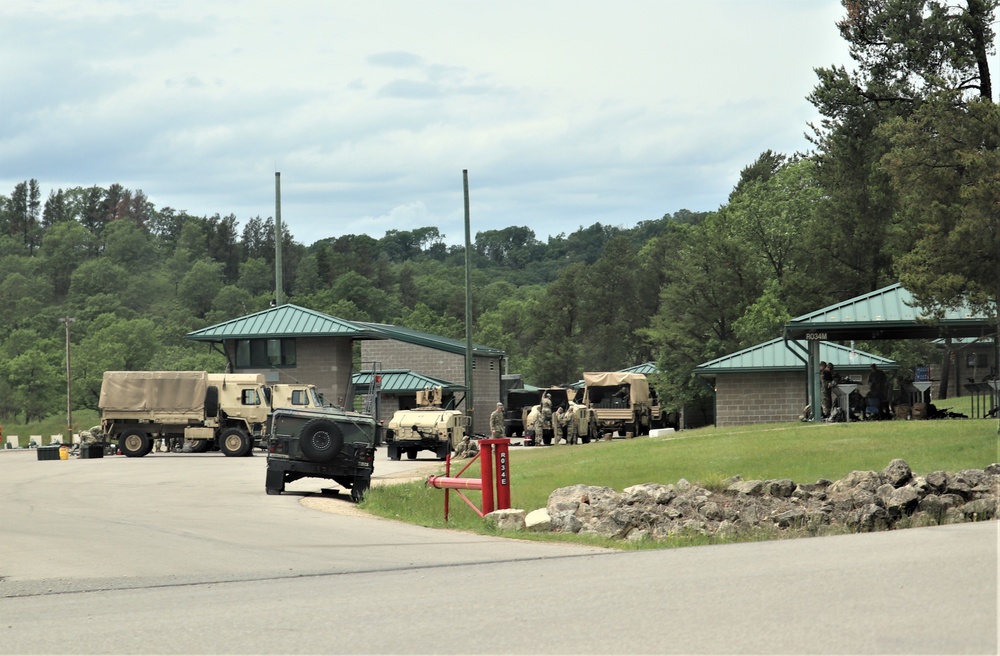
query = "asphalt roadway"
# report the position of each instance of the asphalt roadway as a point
(185, 553)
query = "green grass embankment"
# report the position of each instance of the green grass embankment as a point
(802, 452)
(52, 425)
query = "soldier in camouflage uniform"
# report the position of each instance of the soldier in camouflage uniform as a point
(496, 422)
(571, 429)
(91, 435)
(558, 424)
(467, 448)
(534, 421)
(546, 415)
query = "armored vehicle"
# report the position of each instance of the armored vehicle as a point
(321, 443)
(428, 427)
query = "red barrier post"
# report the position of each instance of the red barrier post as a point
(486, 474)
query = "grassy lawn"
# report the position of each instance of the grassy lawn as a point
(708, 456)
(52, 425)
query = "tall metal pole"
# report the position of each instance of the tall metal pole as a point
(470, 407)
(279, 294)
(69, 383)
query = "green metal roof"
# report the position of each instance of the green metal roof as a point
(398, 381)
(644, 368)
(776, 356)
(284, 321)
(411, 336)
(887, 313)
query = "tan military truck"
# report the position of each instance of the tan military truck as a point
(428, 427)
(138, 407)
(619, 400)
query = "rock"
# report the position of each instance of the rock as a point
(902, 501)
(751, 488)
(937, 481)
(898, 473)
(711, 510)
(866, 480)
(861, 501)
(790, 518)
(510, 519)
(781, 488)
(993, 470)
(538, 521)
(980, 510)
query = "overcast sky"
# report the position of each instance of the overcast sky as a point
(565, 113)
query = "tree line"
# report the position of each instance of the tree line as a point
(900, 184)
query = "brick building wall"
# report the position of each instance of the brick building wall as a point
(756, 398)
(394, 354)
(321, 361)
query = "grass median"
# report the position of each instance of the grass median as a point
(803, 452)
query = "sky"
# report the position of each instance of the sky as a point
(565, 113)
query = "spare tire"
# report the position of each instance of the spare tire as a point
(321, 440)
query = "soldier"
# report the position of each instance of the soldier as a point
(496, 422)
(91, 435)
(558, 424)
(571, 428)
(534, 424)
(467, 448)
(546, 416)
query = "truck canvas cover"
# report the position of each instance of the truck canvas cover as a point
(639, 386)
(154, 391)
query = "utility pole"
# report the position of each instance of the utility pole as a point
(69, 383)
(279, 284)
(469, 396)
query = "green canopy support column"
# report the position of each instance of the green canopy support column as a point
(814, 380)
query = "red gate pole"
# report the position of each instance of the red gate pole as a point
(447, 473)
(503, 473)
(486, 474)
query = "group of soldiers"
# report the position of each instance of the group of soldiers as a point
(542, 417)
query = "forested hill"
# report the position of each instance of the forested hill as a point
(900, 185)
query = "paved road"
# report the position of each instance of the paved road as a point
(186, 554)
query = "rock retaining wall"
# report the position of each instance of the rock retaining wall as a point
(862, 501)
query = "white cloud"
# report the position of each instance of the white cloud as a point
(565, 113)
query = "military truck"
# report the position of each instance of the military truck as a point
(514, 410)
(277, 395)
(428, 427)
(619, 400)
(321, 443)
(138, 407)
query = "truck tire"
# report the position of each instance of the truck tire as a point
(275, 481)
(212, 401)
(321, 440)
(411, 454)
(134, 443)
(359, 489)
(235, 442)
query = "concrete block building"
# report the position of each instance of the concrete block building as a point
(441, 358)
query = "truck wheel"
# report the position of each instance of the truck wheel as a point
(411, 454)
(275, 481)
(321, 440)
(235, 442)
(359, 489)
(135, 443)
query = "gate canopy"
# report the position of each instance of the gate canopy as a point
(887, 313)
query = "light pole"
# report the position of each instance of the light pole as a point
(69, 384)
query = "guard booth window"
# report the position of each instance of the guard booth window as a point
(265, 353)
